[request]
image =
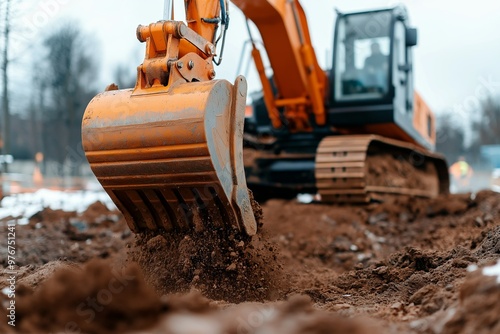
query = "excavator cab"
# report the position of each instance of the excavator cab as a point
(169, 151)
(372, 76)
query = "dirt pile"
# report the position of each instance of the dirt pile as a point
(95, 298)
(403, 259)
(58, 235)
(479, 307)
(408, 170)
(222, 264)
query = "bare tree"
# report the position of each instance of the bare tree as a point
(124, 76)
(487, 128)
(70, 72)
(5, 82)
(450, 138)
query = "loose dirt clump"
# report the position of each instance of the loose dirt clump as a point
(478, 311)
(412, 282)
(94, 299)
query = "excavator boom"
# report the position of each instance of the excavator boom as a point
(300, 81)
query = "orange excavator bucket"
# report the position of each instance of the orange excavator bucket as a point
(169, 152)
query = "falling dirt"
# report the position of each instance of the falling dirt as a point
(221, 265)
(396, 267)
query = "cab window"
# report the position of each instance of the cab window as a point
(362, 59)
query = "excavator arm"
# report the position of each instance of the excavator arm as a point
(169, 151)
(301, 83)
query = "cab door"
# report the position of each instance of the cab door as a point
(402, 69)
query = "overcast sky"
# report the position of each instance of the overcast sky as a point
(457, 59)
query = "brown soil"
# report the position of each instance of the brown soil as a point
(57, 235)
(401, 171)
(479, 308)
(223, 266)
(94, 299)
(395, 267)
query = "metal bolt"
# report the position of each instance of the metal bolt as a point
(190, 64)
(182, 30)
(142, 38)
(210, 49)
(180, 64)
(211, 74)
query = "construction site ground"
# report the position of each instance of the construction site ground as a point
(403, 266)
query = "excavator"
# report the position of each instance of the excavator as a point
(179, 152)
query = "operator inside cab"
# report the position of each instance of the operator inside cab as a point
(375, 70)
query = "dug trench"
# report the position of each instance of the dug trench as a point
(396, 267)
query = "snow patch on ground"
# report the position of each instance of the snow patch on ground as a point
(305, 198)
(6, 291)
(23, 206)
(496, 188)
(493, 271)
